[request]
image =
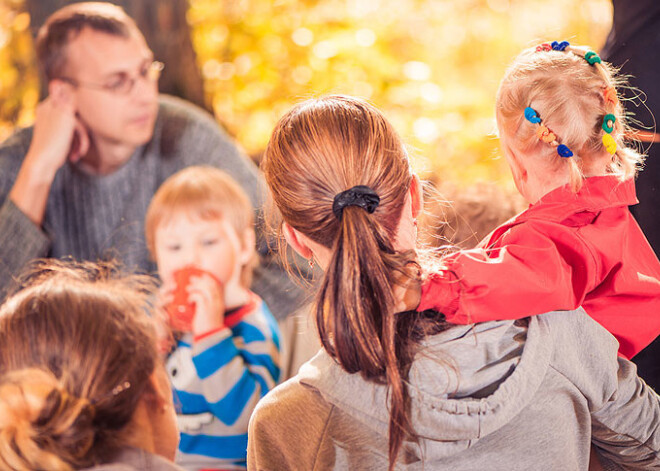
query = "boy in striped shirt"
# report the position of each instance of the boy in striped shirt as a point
(225, 355)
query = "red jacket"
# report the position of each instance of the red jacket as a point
(565, 251)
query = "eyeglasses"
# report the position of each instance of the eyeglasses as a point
(123, 84)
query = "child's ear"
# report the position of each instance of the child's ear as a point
(514, 160)
(248, 242)
(296, 240)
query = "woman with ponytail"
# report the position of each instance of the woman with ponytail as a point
(80, 381)
(394, 390)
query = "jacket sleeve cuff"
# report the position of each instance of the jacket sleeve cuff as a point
(441, 293)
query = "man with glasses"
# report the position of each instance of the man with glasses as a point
(78, 183)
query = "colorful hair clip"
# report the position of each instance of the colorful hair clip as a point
(608, 122)
(564, 151)
(543, 47)
(560, 46)
(609, 143)
(531, 115)
(592, 58)
(545, 134)
(608, 126)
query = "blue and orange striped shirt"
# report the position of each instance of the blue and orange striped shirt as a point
(217, 381)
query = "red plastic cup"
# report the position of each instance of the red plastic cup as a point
(181, 311)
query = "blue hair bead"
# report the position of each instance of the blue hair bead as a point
(531, 115)
(560, 46)
(564, 151)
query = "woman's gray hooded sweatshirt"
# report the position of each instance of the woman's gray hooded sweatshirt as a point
(508, 395)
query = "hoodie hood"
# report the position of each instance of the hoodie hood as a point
(466, 383)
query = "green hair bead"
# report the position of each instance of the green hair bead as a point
(608, 122)
(592, 58)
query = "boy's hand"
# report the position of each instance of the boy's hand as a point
(208, 296)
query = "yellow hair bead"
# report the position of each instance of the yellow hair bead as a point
(609, 143)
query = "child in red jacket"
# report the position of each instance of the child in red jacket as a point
(562, 131)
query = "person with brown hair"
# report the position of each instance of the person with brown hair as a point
(81, 383)
(78, 183)
(393, 390)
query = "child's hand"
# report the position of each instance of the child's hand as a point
(207, 294)
(407, 297)
(408, 290)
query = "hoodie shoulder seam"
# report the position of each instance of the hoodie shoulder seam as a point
(322, 436)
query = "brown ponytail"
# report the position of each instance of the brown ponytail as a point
(68, 339)
(321, 148)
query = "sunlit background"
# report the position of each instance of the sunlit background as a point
(432, 66)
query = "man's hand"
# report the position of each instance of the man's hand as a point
(58, 135)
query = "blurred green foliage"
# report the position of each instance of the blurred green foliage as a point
(432, 66)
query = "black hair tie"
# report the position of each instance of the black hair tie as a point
(361, 196)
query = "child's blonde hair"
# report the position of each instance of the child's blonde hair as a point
(572, 97)
(205, 192)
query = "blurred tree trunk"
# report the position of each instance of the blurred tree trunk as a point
(164, 25)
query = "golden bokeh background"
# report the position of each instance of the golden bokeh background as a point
(432, 66)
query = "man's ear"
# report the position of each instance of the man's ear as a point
(416, 196)
(60, 90)
(296, 240)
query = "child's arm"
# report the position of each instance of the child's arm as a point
(539, 267)
(234, 371)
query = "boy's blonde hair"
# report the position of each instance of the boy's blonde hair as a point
(205, 192)
(569, 94)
